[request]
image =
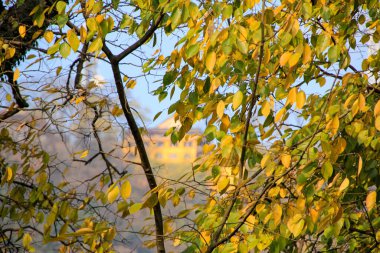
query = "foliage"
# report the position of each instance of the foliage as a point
(291, 147)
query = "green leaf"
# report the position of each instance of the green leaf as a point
(135, 208)
(192, 50)
(327, 170)
(333, 53)
(64, 50)
(307, 9)
(60, 6)
(227, 11)
(62, 20)
(176, 18)
(323, 42)
(115, 4)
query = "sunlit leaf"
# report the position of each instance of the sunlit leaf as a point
(370, 200)
(16, 75)
(113, 193)
(220, 109)
(223, 183)
(300, 99)
(126, 190)
(22, 31)
(210, 61)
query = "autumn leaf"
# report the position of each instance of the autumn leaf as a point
(223, 183)
(237, 99)
(126, 190)
(285, 58)
(113, 193)
(16, 75)
(265, 108)
(277, 214)
(296, 224)
(370, 200)
(286, 160)
(300, 99)
(22, 31)
(220, 109)
(210, 61)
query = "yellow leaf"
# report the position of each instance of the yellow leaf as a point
(220, 109)
(26, 240)
(296, 224)
(8, 97)
(206, 236)
(284, 58)
(300, 204)
(306, 54)
(300, 100)
(377, 122)
(84, 154)
(73, 40)
(344, 185)
(286, 160)
(292, 96)
(340, 145)
(346, 78)
(16, 75)
(314, 215)
(84, 231)
(251, 221)
(260, 208)
(265, 108)
(333, 125)
(264, 160)
(22, 31)
(237, 99)
(126, 190)
(79, 99)
(376, 111)
(10, 52)
(113, 193)
(135, 207)
(96, 45)
(223, 183)
(361, 102)
(360, 165)
(9, 174)
(210, 61)
(277, 213)
(49, 36)
(355, 108)
(176, 242)
(83, 34)
(348, 100)
(131, 84)
(279, 115)
(370, 201)
(293, 60)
